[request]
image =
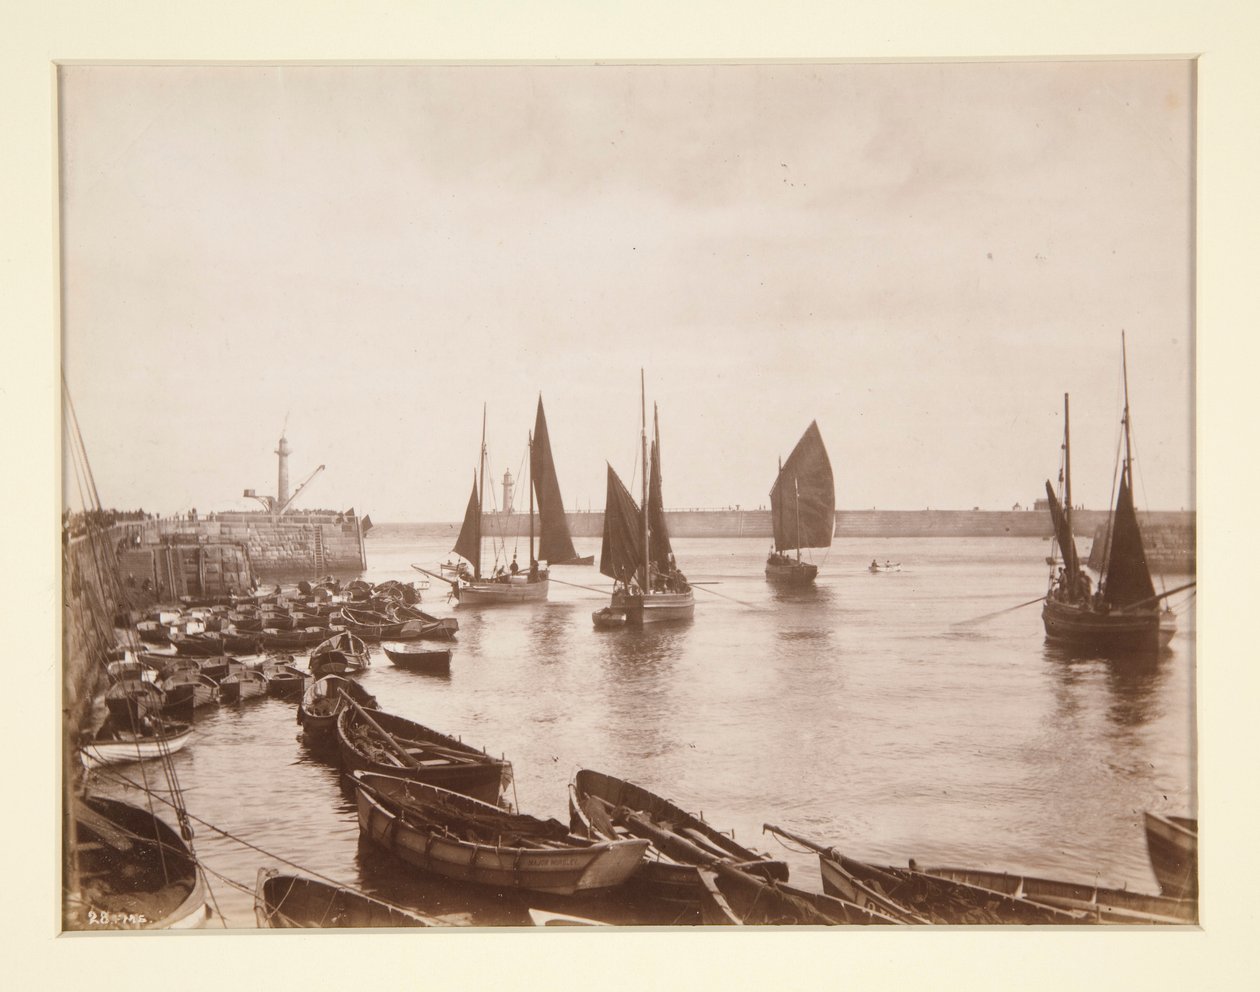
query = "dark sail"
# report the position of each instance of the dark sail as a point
(621, 553)
(554, 543)
(469, 543)
(659, 548)
(1066, 544)
(803, 500)
(1128, 580)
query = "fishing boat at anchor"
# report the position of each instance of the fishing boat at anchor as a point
(1124, 613)
(803, 510)
(510, 585)
(648, 585)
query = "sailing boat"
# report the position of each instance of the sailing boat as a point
(555, 544)
(803, 509)
(517, 585)
(1124, 612)
(636, 554)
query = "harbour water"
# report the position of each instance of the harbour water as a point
(860, 712)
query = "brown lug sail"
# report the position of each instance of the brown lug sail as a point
(555, 543)
(803, 499)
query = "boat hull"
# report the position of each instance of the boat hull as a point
(284, 902)
(734, 899)
(1105, 905)
(502, 593)
(152, 885)
(657, 607)
(1173, 846)
(794, 573)
(117, 752)
(923, 898)
(670, 882)
(562, 870)
(1136, 630)
(418, 661)
(478, 776)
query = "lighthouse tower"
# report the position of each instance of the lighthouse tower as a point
(508, 484)
(282, 482)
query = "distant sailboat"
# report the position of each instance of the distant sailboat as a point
(636, 554)
(803, 509)
(1124, 613)
(555, 544)
(528, 585)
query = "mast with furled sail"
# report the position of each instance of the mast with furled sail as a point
(803, 508)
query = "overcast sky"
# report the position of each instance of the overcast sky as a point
(922, 257)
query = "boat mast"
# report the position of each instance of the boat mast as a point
(643, 568)
(1124, 365)
(796, 492)
(531, 500)
(481, 494)
(1067, 466)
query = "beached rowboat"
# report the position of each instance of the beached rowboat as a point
(604, 807)
(461, 838)
(374, 741)
(283, 901)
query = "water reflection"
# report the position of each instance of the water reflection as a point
(1133, 679)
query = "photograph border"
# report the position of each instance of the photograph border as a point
(731, 32)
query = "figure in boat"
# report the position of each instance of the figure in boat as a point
(803, 510)
(1123, 612)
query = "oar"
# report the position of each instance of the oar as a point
(392, 744)
(990, 616)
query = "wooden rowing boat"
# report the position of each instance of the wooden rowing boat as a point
(341, 654)
(115, 746)
(383, 743)
(730, 897)
(417, 658)
(1104, 904)
(323, 702)
(273, 638)
(604, 807)
(461, 838)
(238, 687)
(283, 680)
(285, 901)
(916, 897)
(1172, 843)
(130, 871)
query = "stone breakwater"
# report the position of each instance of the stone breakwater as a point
(225, 553)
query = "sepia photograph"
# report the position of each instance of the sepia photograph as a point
(630, 495)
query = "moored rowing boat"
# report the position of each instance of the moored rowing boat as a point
(286, 901)
(457, 837)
